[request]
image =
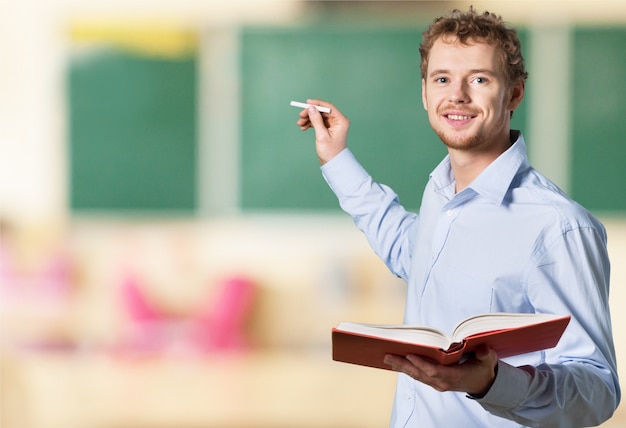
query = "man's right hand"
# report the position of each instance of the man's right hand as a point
(331, 129)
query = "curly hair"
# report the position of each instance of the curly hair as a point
(471, 26)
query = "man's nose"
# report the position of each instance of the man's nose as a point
(459, 92)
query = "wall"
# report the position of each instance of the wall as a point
(34, 45)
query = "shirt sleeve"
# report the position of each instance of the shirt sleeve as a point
(577, 383)
(375, 209)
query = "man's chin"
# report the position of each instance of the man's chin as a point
(459, 142)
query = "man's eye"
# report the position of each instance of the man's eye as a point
(480, 80)
(441, 80)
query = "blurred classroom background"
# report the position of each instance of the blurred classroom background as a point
(171, 256)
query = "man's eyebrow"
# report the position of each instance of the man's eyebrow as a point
(483, 71)
(437, 72)
(473, 71)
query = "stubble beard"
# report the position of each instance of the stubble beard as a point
(468, 140)
(459, 142)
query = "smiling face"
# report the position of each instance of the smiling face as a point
(467, 96)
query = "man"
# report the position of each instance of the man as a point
(492, 235)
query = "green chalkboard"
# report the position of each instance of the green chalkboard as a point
(371, 74)
(598, 125)
(132, 132)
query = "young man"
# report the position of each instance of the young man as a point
(492, 235)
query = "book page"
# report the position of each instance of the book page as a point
(422, 335)
(497, 321)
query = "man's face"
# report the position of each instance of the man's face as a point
(466, 95)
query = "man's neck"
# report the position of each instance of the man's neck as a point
(467, 165)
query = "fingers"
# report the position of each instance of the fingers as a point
(331, 129)
(316, 120)
(305, 121)
(321, 103)
(484, 353)
(486, 356)
(412, 365)
(422, 370)
(474, 376)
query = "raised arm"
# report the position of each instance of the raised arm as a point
(374, 207)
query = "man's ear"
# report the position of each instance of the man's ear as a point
(517, 95)
(424, 103)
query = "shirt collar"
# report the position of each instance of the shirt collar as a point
(495, 180)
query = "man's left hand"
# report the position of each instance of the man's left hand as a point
(473, 376)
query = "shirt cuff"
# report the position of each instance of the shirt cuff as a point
(344, 173)
(508, 389)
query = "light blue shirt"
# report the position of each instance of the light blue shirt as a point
(510, 242)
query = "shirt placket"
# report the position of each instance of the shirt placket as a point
(449, 213)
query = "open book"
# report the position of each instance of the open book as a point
(507, 333)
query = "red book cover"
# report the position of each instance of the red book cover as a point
(532, 333)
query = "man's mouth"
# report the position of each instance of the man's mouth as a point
(458, 117)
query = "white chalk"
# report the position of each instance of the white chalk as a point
(305, 105)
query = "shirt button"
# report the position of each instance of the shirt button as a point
(450, 212)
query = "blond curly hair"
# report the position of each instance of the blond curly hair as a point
(471, 26)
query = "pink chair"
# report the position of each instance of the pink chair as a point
(218, 326)
(222, 325)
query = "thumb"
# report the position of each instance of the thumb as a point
(482, 352)
(486, 354)
(317, 121)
